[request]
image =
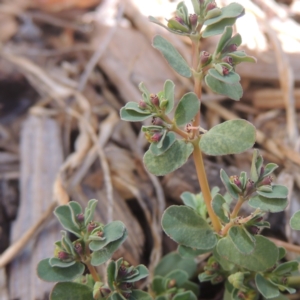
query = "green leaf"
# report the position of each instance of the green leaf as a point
(145, 93)
(168, 141)
(263, 257)
(295, 221)
(286, 268)
(56, 262)
(116, 296)
(111, 274)
(278, 192)
(221, 208)
(196, 6)
(236, 39)
(269, 169)
(135, 107)
(281, 253)
(169, 90)
(173, 261)
(157, 285)
(268, 204)
(187, 252)
(179, 276)
(233, 10)
(133, 116)
(186, 227)
(186, 109)
(89, 211)
(170, 160)
(101, 256)
(75, 210)
(233, 91)
(237, 57)
(176, 61)
(191, 286)
(224, 39)
(241, 239)
(187, 295)
(217, 28)
(64, 216)
(231, 78)
(226, 181)
(55, 274)
(139, 295)
(71, 291)
(265, 287)
(230, 137)
(112, 232)
(142, 273)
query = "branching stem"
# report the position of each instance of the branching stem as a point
(237, 207)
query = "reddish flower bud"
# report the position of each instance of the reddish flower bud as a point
(225, 71)
(193, 20)
(262, 170)
(62, 255)
(228, 60)
(100, 233)
(154, 100)
(211, 6)
(253, 229)
(156, 137)
(249, 187)
(231, 48)
(236, 181)
(267, 180)
(179, 20)
(105, 292)
(142, 104)
(123, 271)
(91, 226)
(78, 248)
(126, 295)
(157, 121)
(204, 57)
(80, 218)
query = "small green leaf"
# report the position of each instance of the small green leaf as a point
(187, 252)
(139, 295)
(230, 137)
(265, 287)
(161, 142)
(217, 28)
(56, 262)
(116, 296)
(145, 92)
(241, 239)
(173, 261)
(224, 39)
(295, 221)
(196, 5)
(221, 208)
(133, 116)
(233, 10)
(179, 276)
(135, 107)
(263, 257)
(231, 78)
(269, 169)
(101, 256)
(268, 204)
(239, 57)
(233, 91)
(168, 141)
(142, 273)
(175, 25)
(64, 216)
(157, 284)
(226, 181)
(111, 274)
(75, 210)
(286, 268)
(281, 253)
(236, 40)
(71, 291)
(186, 109)
(169, 90)
(170, 160)
(112, 232)
(89, 211)
(176, 61)
(56, 274)
(278, 192)
(187, 295)
(186, 227)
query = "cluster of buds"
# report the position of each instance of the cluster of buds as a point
(213, 271)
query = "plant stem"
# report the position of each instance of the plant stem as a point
(93, 272)
(237, 207)
(198, 160)
(293, 281)
(174, 127)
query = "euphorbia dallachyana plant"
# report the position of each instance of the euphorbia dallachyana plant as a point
(248, 264)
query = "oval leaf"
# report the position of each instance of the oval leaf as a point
(169, 90)
(186, 109)
(186, 227)
(217, 28)
(170, 160)
(231, 78)
(219, 206)
(187, 252)
(133, 116)
(55, 274)
(135, 107)
(241, 239)
(268, 204)
(263, 257)
(224, 39)
(71, 291)
(233, 91)
(278, 191)
(230, 137)
(176, 61)
(295, 221)
(168, 141)
(139, 295)
(265, 287)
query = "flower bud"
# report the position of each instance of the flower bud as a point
(157, 121)
(211, 6)
(228, 60)
(225, 71)
(179, 20)
(249, 187)
(78, 248)
(193, 21)
(205, 58)
(80, 218)
(231, 48)
(126, 295)
(100, 233)
(156, 137)
(62, 255)
(105, 291)
(142, 105)
(154, 100)
(266, 181)
(91, 226)
(172, 283)
(253, 229)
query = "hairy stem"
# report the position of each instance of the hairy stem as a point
(93, 272)
(237, 207)
(198, 160)
(174, 127)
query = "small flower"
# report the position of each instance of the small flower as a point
(225, 71)
(157, 121)
(80, 218)
(211, 6)
(62, 255)
(205, 58)
(91, 226)
(156, 137)
(142, 105)
(193, 21)
(154, 100)
(228, 60)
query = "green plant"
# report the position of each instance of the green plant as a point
(249, 264)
